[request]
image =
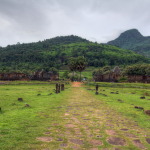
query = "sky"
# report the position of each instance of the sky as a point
(99, 21)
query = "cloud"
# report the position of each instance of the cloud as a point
(97, 20)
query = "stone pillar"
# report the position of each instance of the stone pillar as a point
(62, 87)
(57, 88)
(96, 89)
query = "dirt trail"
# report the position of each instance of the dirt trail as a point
(76, 84)
(91, 125)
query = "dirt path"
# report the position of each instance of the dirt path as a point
(76, 84)
(91, 125)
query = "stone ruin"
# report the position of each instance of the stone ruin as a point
(38, 75)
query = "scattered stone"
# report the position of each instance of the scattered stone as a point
(38, 94)
(142, 97)
(96, 142)
(44, 139)
(138, 143)
(59, 139)
(147, 112)
(121, 101)
(102, 94)
(123, 129)
(116, 141)
(137, 107)
(110, 132)
(27, 105)
(64, 145)
(66, 114)
(148, 140)
(133, 93)
(76, 114)
(75, 147)
(20, 99)
(47, 132)
(70, 125)
(112, 92)
(76, 141)
(99, 136)
(117, 148)
(93, 148)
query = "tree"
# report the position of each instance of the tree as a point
(81, 64)
(77, 64)
(72, 65)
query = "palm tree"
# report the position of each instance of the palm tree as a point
(81, 64)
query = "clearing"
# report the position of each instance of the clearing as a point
(74, 119)
(90, 124)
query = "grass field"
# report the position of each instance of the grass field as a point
(123, 97)
(74, 119)
(20, 125)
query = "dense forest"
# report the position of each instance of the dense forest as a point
(56, 52)
(133, 40)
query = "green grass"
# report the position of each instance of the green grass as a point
(20, 125)
(129, 94)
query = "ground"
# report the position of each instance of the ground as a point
(90, 124)
(74, 119)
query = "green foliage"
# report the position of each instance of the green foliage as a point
(66, 75)
(133, 40)
(139, 69)
(102, 71)
(57, 51)
(81, 63)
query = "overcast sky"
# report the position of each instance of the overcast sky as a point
(96, 20)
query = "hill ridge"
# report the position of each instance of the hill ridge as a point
(132, 39)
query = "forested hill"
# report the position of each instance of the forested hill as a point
(133, 40)
(56, 51)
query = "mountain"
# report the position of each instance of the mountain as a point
(133, 40)
(55, 52)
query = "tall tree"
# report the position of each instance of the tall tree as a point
(81, 64)
(72, 65)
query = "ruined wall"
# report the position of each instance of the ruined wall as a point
(13, 76)
(139, 78)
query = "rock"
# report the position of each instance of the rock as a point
(76, 141)
(138, 143)
(137, 107)
(142, 97)
(116, 141)
(44, 139)
(147, 112)
(121, 101)
(148, 140)
(27, 105)
(38, 94)
(20, 99)
(96, 93)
